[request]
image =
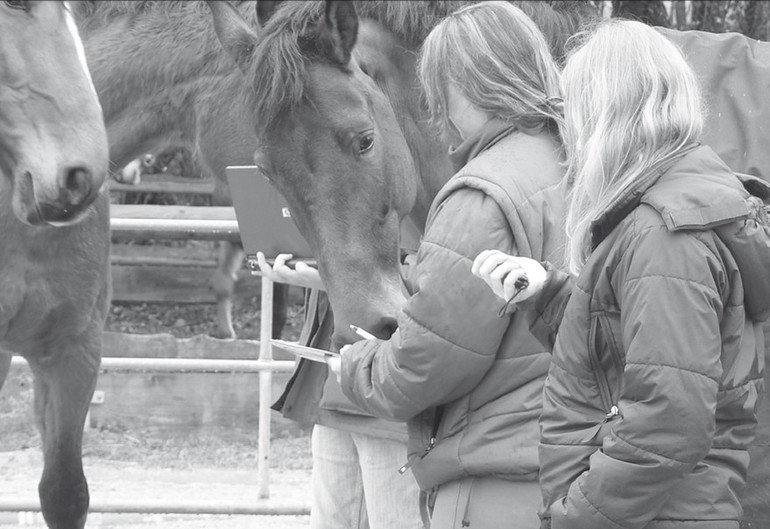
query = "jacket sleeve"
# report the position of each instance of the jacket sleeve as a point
(667, 286)
(545, 310)
(449, 330)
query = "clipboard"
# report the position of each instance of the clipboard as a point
(303, 351)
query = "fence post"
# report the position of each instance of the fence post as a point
(265, 387)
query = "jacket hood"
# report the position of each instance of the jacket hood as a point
(700, 192)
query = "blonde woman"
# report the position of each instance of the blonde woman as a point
(650, 402)
(468, 379)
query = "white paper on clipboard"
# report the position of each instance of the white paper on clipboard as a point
(311, 353)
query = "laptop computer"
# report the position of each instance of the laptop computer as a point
(263, 216)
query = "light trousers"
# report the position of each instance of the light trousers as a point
(356, 484)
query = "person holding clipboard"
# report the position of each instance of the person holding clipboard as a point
(355, 455)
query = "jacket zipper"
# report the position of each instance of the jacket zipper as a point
(605, 393)
(412, 459)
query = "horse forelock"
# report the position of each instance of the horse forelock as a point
(280, 61)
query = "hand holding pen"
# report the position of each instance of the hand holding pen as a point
(335, 362)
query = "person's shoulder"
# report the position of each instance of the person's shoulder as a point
(645, 246)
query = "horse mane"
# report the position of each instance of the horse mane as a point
(286, 43)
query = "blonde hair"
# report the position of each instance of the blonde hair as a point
(632, 104)
(499, 60)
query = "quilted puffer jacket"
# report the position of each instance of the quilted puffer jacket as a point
(650, 404)
(469, 381)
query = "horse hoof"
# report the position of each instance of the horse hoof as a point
(223, 335)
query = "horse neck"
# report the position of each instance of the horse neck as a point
(434, 170)
(153, 71)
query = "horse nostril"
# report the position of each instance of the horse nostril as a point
(385, 328)
(77, 183)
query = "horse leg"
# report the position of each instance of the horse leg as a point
(5, 366)
(64, 384)
(223, 283)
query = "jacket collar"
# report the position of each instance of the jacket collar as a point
(625, 204)
(492, 132)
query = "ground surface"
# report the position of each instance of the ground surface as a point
(115, 481)
(215, 465)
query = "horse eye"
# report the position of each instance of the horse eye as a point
(18, 4)
(366, 144)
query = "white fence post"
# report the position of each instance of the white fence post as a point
(265, 389)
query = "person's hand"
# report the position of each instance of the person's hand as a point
(509, 276)
(301, 275)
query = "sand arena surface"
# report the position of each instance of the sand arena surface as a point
(113, 481)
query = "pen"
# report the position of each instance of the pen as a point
(362, 333)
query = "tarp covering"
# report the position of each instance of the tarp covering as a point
(734, 71)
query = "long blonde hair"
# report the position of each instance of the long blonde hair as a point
(632, 104)
(499, 60)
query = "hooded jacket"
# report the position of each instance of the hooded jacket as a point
(468, 380)
(650, 403)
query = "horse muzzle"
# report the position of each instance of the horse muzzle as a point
(64, 203)
(377, 316)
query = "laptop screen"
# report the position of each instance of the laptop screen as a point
(263, 215)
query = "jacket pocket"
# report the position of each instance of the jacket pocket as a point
(430, 423)
(605, 356)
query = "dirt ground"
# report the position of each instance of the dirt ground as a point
(113, 481)
(212, 466)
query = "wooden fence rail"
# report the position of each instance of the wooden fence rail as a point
(166, 184)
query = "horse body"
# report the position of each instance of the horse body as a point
(54, 251)
(163, 79)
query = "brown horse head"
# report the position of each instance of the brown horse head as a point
(53, 145)
(326, 93)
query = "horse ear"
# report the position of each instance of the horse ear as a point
(340, 30)
(234, 33)
(265, 10)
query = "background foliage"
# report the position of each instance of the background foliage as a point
(750, 17)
